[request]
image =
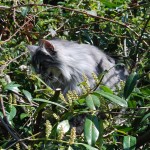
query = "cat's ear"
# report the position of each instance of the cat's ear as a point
(48, 46)
(32, 49)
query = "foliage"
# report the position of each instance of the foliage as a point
(33, 116)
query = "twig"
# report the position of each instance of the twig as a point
(25, 139)
(2, 106)
(65, 22)
(2, 42)
(75, 11)
(110, 133)
(140, 38)
(10, 61)
(95, 32)
(134, 7)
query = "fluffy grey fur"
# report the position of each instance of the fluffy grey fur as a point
(62, 64)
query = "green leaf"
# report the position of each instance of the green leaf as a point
(91, 132)
(12, 113)
(124, 129)
(132, 104)
(40, 108)
(129, 142)
(145, 117)
(146, 90)
(101, 132)
(12, 87)
(112, 97)
(92, 12)
(40, 80)
(49, 102)
(23, 115)
(1, 114)
(27, 95)
(110, 4)
(88, 147)
(70, 148)
(106, 89)
(81, 101)
(130, 84)
(92, 101)
(64, 125)
(24, 10)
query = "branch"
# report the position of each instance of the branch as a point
(2, 42)
(10, 61)
(140, 38)
(77, 11)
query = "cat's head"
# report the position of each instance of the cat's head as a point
(44, 60)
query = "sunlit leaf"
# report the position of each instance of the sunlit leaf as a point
(92, 12)
(101, 132)
(146, 90)
(92, 101)
(23, 115)
(49, 102)
(12, 113)
(25, 10)
(129, 142)
(91, 131)
(27, 95)
(114, 98)
(110, 4)
(64, 126)
(145, 117)
(106, 89)
(70, 148)
(12, 87)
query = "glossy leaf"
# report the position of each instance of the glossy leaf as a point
(101, 132)
(130, 84)
(70, 148)
(129, 143)
(12, 113)
(27, 95)
(12, 87)
(92, 101)
(114, 98)
(132, 104)
(24, 10)
(49, 102)
(23, 115)
(91, 131)
(146, 90)
(64, 125)
(110, 4)
(106, 89)
(145, 117)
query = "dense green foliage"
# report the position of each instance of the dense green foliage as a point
(33, 116)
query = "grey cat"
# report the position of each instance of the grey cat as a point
(62, 64)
